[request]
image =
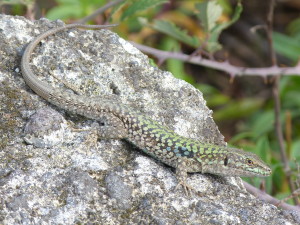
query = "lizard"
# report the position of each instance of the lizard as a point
(186, 155)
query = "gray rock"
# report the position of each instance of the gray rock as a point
(53, 174)
(45, 128)
(119, 190)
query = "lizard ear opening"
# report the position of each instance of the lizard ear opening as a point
(226, 161)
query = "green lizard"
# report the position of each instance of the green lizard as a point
(184, 154)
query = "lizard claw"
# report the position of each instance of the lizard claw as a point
(187, 188)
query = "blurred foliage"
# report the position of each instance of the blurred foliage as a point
(199, 24)
(289, 45)
(16, 2)
(67, 9)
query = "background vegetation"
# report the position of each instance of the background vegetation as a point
(217, 30)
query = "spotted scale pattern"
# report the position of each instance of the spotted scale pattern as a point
(167, 146)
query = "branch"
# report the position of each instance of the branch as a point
(99, 11)
(268, 198)
(277, 107)
(222, 66)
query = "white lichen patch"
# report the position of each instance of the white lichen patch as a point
(170, 82)
(128, 47)
(86, 163)
(182, 126)
(181, 203)
(15, 28)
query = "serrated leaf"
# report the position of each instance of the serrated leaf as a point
(210, 12)
(140, 5)
(236, 15)
(175, 32)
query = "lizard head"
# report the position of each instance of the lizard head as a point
(233, 162)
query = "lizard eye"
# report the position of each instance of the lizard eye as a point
(249, 162)
(225, 161)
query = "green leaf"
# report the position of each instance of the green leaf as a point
(73, 9)
(118, 7)
(64, 11)
(220, 27)
(206, 89)
(226, 6)
(217, 100)
(15, 2)
(292, 99)
(175, 66)
(295, 150)
(140, 5)
(236, 15)
(213, 96)
(210, 12)
(262, 148)
(294, 27)
(216, 31)
(213, 46)
(289, 83)
(287, 46)
(238, 109)
(262, 123)
(179, 34)
(240, 136)
(68, 2)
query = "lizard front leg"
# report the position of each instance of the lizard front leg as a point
(181, 175)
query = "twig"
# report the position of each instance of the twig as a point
(288, 131)
(268, 198)
(99, 11)
(275, 90)
(296, 193)
(222, 66)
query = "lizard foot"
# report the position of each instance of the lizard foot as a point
(92, 137)
(187, 188)
(181, 175)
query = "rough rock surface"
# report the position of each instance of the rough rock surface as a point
(51, 173)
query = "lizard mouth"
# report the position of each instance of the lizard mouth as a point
(253, 172)
(238, 172)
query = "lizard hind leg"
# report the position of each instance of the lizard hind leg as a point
(107, 126)
(111, 127)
